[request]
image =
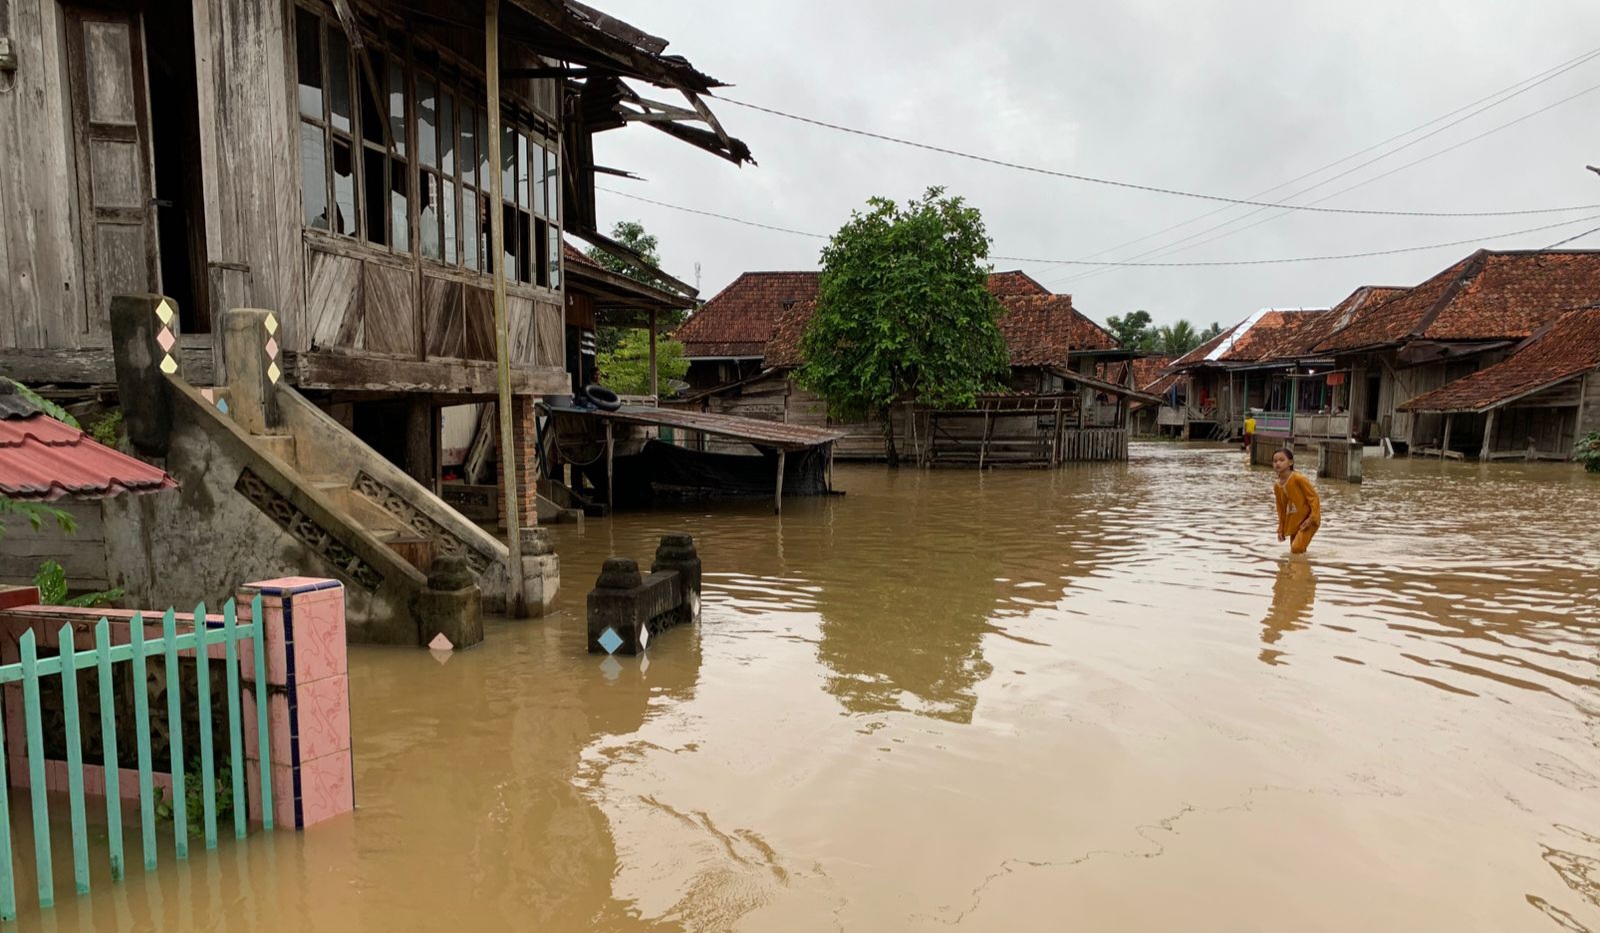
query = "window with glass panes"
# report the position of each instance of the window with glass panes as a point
(354, 129)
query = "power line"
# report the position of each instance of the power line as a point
(1519, 88)
(1176, 246)
(1572, 238)
(1142, 265)
(1150, 188)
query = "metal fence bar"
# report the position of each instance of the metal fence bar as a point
(108, 742)
(230, 635)
(180, 816)
(208, 781)
(66, 644)
(35, 728)
(141, 717)
(263, 737)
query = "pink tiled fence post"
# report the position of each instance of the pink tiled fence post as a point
(308, 701)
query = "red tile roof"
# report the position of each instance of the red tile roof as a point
(1568, 347)
(1490, 295)
(1270, 334)
(1149, 371)
(43, 459)
(741, 319)
(1040, 330)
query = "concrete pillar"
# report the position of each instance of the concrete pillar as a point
(254, 360)
(308, 701)
(144, 346)
(677, 552)
(525, 438)
(541, 570)
(452, 605)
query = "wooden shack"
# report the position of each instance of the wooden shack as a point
(326, 160)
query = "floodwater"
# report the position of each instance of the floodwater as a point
(1095, 699)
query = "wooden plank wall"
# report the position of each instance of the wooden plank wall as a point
(81, 554)
(41, 274)
(1589, 412)
(249, 160)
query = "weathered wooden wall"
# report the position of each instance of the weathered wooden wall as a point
(42, 301)
(81, 554)
(1589, 409)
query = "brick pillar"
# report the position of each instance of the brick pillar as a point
(525, 440)
(308, 702)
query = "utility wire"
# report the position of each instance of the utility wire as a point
(1142, 265)
(1519, 88)
(1177, 245)
(1150, 188)
(1572, 238)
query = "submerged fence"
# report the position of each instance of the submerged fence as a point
(243, 676)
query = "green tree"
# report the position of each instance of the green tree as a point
(632, 234)
(625, 370)
(1210, 332)
(904, 312)
(1177, 338)
(1132, 330)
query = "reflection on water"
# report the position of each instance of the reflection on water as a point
(992, 702)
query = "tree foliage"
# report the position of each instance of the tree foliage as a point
(632, 234)
(904, 312)
(37, 513)
(1135, 331)
(1587, 452)
(1132, 330)
(625, 370)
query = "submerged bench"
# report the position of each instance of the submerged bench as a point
(627, 609)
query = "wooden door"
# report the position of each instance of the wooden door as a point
(111, 127)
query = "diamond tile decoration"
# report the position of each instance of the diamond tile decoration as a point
(222, 405)
(164, 311)
(272, 348)
(209, 395)
(166, 339)
(610, 668)
(272, 324)
(273, 372)
(644, 638)
(610, 640)
(440, 643)
(168, 364)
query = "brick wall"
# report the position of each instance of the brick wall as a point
(525, 438)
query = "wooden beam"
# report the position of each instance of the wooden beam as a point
(547, 72)
(1488, 437)
(611, 502)
(1444, 448)
(516, 605)
(709, 117)
(777, 507)
(325, 370)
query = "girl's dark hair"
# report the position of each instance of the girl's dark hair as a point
(1286, 452)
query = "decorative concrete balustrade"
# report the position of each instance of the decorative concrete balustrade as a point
(626, 609)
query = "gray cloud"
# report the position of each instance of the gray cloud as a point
(1220, 96)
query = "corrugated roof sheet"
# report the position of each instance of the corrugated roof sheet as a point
(1268, 334)
(742, 319)
(752, 430)
(1039, 329)
(1569, 346)
(42, 459)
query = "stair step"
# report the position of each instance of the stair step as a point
(280, 445)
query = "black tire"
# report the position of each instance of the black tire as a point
(602, 397)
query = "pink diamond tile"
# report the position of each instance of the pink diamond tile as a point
(272, 348)
(327, 788)
(324, 717)
(319, 635)
(166, 339)
(209, 395)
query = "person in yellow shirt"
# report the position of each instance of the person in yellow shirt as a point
(1249, 430)
(1299, 509)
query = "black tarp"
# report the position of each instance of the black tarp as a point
(664, 471)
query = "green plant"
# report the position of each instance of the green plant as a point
(108, 430)
(626, 369)
(52, 583)
(36, 513)
(631, 233)
(194, 796)
(45, 405)
(1587, 452)
(904, 312)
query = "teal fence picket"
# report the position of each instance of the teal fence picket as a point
(141, 718)
(41, 811)
(263, 736)
(108, 747)
(180, 816)
(8, 874)
(230, 637)
(208, 780)
(69, 709)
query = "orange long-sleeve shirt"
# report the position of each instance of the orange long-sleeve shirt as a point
(1297, 503)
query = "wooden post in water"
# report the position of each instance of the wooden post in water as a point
(516, 605)
(1444, 449)
(611, 502)
(777, 505)
(654, 390)
(1488, 438)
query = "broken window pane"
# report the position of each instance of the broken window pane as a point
(397, 107)
(469, 228)
(339, 80)
(508, 160)
(428, 214)
(447, 200)
(344, 190)
(427, 122)
(523, 188)
(447, 133)
(371, 112)
(376, 188)
(483, 151)
(399, 206)
(314, 176)
(552, 188)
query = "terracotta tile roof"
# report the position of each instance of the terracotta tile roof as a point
(740, 320)
(43, 459)
(1150, 370)
(1040, 330)
(1489, 295)
(1569, 346)
(1269, 334)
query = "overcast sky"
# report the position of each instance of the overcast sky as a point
(1222, 97)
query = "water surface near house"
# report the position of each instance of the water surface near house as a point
(1094, 698)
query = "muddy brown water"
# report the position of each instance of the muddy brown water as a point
(1098, 698)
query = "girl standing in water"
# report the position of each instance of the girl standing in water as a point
(1299, 509)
